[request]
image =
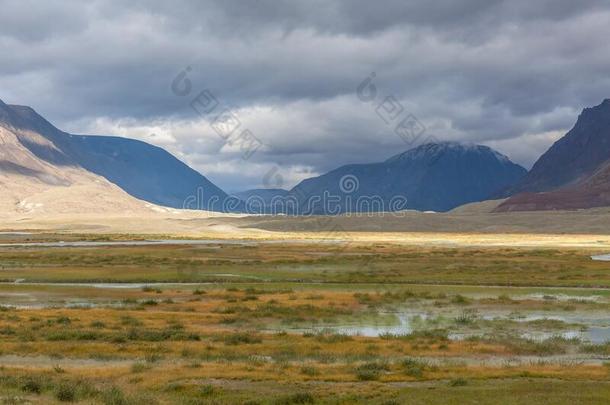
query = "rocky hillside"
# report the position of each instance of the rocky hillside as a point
(574, 173)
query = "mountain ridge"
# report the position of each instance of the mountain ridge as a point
(574, 173)
(434, 176)
(580, 152)
(145, 171)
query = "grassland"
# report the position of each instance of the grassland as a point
(354, 263)
(270, 323)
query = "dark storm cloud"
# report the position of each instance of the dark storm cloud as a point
(505, 73)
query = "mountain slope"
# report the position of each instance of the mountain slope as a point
(142, 170)
(33, 186)
(435, 177)
(575, 156)
(592, 192)
(264, 195)
(574, 173)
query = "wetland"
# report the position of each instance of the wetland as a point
(299, 322)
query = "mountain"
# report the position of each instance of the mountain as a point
(265, 195)
(435, 176)
(592, 192)
(574, 173)
(144, 171)
(32, 185)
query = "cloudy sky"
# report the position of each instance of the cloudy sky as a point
(513, 75)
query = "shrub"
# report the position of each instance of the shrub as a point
(460, 300)
(333, 337)
(114, 396)
(602, 349)
(414, 368)
(370, 371)
(242, 338)
(458, 382)
(31, 385)
(131, 321)
(57, 368)
(128, 301)
(309, 370)
(465, 318)
(139, 367)
(65, 392)
(63, 320)
(152, 357)
(298, 398)
(367, 375)
(207, 390)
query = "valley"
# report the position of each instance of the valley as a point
(303, 321)
(294, 202)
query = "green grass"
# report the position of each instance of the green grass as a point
(520, 391)
(273, 263)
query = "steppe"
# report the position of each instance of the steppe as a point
(197, 308)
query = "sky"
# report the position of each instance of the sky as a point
(265, 93)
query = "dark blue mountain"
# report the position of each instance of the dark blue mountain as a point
(436, 177)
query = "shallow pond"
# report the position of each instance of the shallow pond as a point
(596, 327)
(165, 242)
(104, 285)
(593, 334)
(128, 243)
